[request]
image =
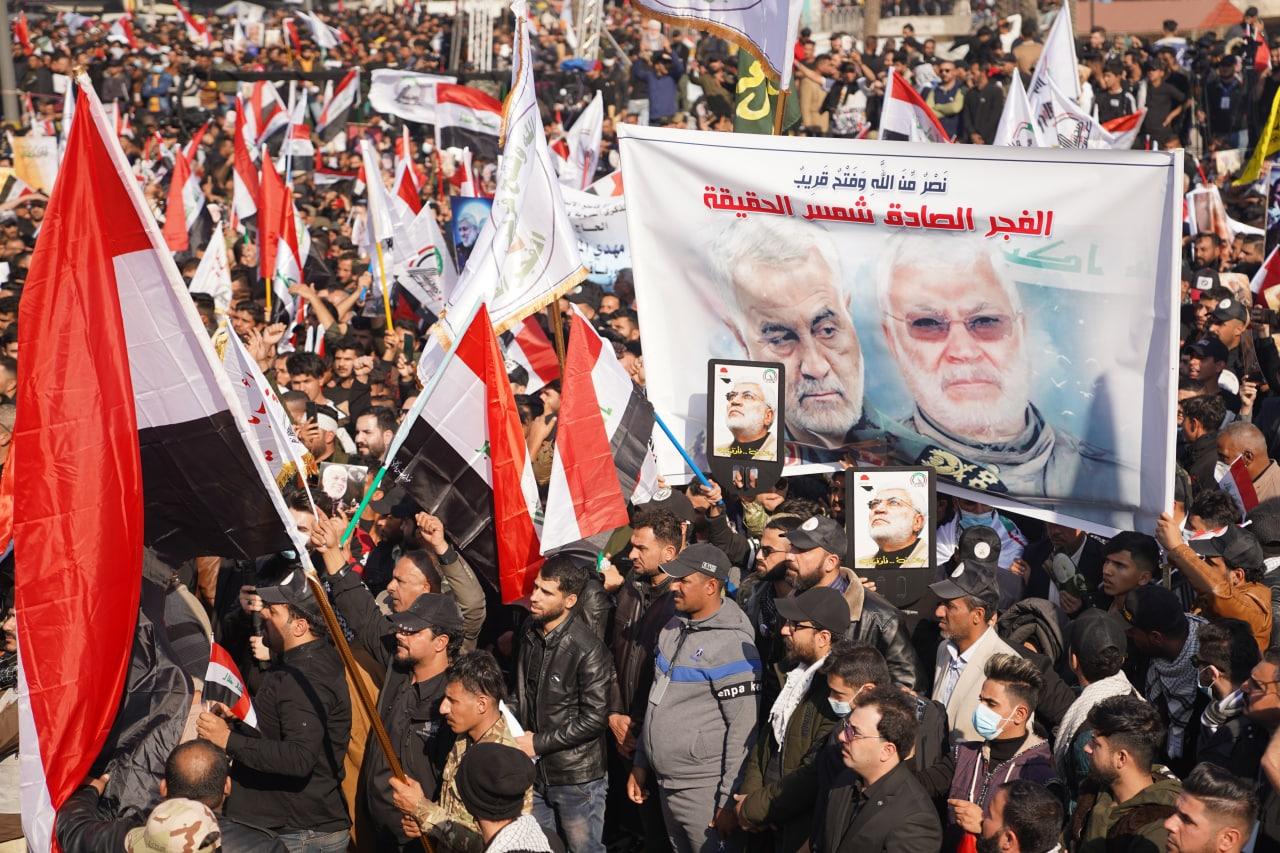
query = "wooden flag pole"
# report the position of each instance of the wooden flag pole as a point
(779, 110)
(362, 689)
(268, 300)
(386, 294)
(557, 331)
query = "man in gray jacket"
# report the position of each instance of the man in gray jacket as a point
(701, 718)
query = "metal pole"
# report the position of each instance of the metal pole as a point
(8, 75)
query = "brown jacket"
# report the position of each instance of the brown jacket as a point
(1249, 602)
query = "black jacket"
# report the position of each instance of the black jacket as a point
(641, 612)
(418, 732)
(880, 625)
(86, 824)
(287, 772)
(568, 714)
(1199, 458)
(893, 815)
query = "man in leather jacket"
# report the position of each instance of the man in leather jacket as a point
(195, 770)
(563, 676)
(817, 547)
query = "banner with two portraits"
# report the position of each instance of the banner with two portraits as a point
(1005, 317)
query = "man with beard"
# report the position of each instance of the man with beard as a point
(955, 326)
(1024, 817)
(895, 519)
(563, 675)
(780, 783)
(817, 547)
(374, 431)
(785, 300)
(1123, 803)
(749, 417)
(701, 718)
(287, 771)
(474, 687)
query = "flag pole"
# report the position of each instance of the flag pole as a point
(405, 425)
(386, 294)
(781, 108)
(362, 689)
(557, 331)
(688, 460)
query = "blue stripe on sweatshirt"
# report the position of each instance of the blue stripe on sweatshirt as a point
(706, 673)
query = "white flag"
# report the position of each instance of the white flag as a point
(526, 255)
(1017, 127)
(422, 263)
(1057, 62)
(1060, 122)
(213, 276)
(583, 140)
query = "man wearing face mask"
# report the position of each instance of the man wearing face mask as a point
(1127, 799)
(1227, 571)
(779, 785)
(1006, 748)
(1226, 656)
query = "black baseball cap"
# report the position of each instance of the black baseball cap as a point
(1211, 347)
(822, 606)
(699, 557)
(393, 501)
(292, 590)
(1151, 607)
(431, 609)
(979, 550)
(1205, 278)
(1237, 547)
(819, 532)
(1094, 631)
(1229, 309)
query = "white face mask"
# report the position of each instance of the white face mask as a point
(1220, 471)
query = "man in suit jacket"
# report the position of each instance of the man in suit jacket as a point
(967, 619)
(886, 810)
(1085, 553)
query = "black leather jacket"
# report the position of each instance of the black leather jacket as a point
(569, 712)
(879, 624)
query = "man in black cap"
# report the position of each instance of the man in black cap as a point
(1162, 632)
(1227, 322)
(493, 780)
(702, 709)
(1226, 570)
(1097, 645)
(1206, 359)
(287, 771)
(966, 617)
(780, 785)
(818, 546)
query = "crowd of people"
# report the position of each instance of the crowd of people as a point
(717, 676)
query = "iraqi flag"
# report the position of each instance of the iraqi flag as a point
(532, 349)
(265, 112)
(122, 31)
(244, 193)
(325, 36)
(905, 115)
(197, 31)
(1267, 278)
(185, 206)
(277, 233)
(338, 104)
(1239, 484)
(463, 458)
(122, 409)
(224, 683)
(581, 500)
(193, 147)
(1119, 133)
(467, 118)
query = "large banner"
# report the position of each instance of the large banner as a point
(601, 225)
(1003, 316)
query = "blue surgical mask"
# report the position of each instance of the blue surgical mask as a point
(986, 722)
(841, 709)
(975, 519)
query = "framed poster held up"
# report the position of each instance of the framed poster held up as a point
(890, 519)
(744, 411)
